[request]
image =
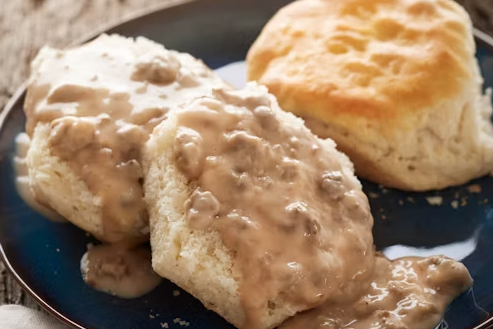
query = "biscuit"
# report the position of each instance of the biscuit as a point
(200, 259)
(88, 111)
(395, 83)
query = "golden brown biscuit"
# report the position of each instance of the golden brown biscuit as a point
(394, 82)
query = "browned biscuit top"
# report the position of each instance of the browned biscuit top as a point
(376, 60)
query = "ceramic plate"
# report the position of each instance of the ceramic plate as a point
(44, 256)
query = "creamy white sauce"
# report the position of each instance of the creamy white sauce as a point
(118, 271)
(99, 103)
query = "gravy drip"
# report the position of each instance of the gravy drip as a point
(102, 100)
(406, 293)
(299, 226)
(22, 142)
(119, 271)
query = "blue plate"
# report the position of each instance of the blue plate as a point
(44, 256)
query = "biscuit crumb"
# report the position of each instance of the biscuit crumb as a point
(475, 188)
(176, 293)
(410, 199)
(401, 202)
(435, 200)
(455, 204)
(384, 217)
(151, 316)
(181, 322)
(373, 195)
(164, 325)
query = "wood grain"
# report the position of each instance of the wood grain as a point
(26, 25)
(481, 12)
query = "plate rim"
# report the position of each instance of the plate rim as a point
(479, 35)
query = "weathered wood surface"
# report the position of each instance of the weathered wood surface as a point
(26, 25)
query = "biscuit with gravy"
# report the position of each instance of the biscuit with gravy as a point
(253, 214)
(89, 109)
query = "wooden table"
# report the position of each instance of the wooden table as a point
(26, 25)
